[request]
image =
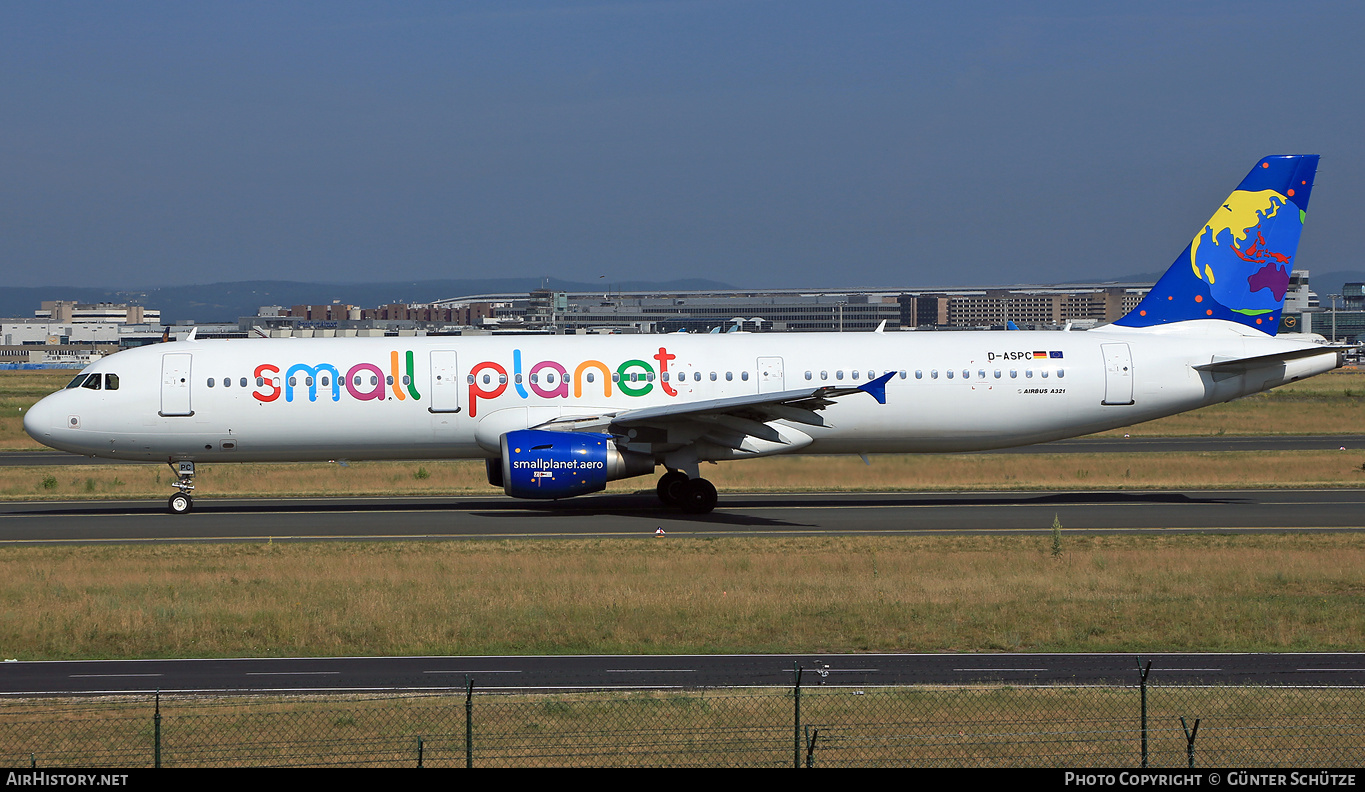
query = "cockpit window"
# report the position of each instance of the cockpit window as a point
(92, 382)
(76, 383)
(111, 382)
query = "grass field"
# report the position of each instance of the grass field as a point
(774, 474)
(817, 594)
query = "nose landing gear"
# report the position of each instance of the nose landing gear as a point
(181, 502)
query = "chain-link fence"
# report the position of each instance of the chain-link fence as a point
(1070, 727)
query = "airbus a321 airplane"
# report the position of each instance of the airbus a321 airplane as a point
(559, 416)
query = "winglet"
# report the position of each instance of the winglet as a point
(877, 387)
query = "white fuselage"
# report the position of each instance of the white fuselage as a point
(960, 391)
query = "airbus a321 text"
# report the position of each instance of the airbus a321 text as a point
(559, 416)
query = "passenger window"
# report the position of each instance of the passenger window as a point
(903, 375)
(1044, 373)
(389, 379)
(210, 382)
(1028, 373)
(950, 373)
(919, 374)
(824, 375)
(808, 375)
(76, 383)
(242, 382)
(326, 381)
(713, 376)
(1061, 373)
(854, 373)
(591, 378)
(839, 374)
(1014, 374)
(933, 374)
(227, 382)
(729, 376)
(744, 375)
(92, 382)
(981, 374)
(260, 382)
(997, 373)
(308, 381)
(111, 382)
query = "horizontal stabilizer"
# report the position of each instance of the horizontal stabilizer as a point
(1247, 363)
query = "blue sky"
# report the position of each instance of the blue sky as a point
(765, 144)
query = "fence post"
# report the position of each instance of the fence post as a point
(1142, 678)
(156, 732)
(797, 739)
(419, 751)
(811, 736)
(1189, 739)
(468, 722)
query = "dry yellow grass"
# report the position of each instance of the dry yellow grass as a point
(774, 474)
(1247, 593)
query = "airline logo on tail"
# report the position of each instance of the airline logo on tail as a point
(1238, 265)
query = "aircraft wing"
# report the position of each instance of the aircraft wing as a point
(746, 414)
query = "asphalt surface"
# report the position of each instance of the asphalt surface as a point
(662, 672)
(641, 515)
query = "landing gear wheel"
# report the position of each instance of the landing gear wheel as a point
(698, 496)
(180, 503)
(670, 487)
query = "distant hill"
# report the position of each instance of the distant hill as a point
(224, 302)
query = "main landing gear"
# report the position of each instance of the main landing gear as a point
(181, 502)
(692, 495)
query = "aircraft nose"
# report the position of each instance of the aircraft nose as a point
(38, 421)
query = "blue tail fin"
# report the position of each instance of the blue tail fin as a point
(1237, 268)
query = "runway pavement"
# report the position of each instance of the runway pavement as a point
(662, 672)
(640, 515)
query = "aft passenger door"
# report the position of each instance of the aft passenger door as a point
(1118, 374)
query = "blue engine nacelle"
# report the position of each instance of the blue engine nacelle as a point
(543, 464)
